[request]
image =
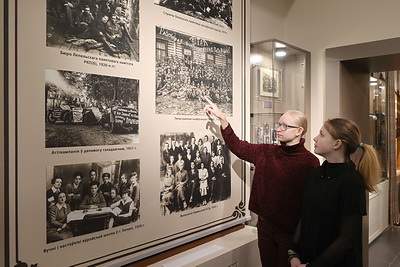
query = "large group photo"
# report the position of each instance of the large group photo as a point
(194, 171)
(90, 197)
(103, 27)
(188, 68)
(217, 12)
(84, 109)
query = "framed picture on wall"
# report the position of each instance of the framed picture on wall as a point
(270, 83)
(88, 92)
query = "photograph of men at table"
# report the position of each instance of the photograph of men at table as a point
(94, 199)
(78, 204)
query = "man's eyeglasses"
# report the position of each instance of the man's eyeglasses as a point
(283, 126)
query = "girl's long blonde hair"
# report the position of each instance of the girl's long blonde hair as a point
(369, 164)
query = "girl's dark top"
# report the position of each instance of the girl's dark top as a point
(279, 178)
(331, 221)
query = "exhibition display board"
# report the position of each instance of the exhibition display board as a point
(110, 156)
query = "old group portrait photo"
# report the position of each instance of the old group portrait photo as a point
(270, 83)
(84, 109)
(217, 12)
(102, 27)
(194, 171)
(188, 68)
(91, 197)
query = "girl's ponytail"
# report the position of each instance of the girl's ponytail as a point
(369, 167)
(369, 164)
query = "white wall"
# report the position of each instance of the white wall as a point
(2, 242)
(316, 25)
(267, 19)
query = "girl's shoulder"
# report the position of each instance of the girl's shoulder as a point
(317, 171)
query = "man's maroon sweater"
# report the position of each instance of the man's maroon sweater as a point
(279, 178)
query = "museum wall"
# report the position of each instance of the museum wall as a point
(337, 23)
(317, 25)
(267, 19)
(309, 24)
(106, 110)
(2, 241)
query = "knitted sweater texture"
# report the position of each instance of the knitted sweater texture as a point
(279, 178)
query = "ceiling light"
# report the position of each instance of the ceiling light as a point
(372, 79)
(255, 59)
(373, 83)
(280, 52)
(279, 45)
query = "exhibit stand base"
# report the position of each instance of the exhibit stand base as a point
(236, 246)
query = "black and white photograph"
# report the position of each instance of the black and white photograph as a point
(194, 171)
(217, 12)
(94, 89)
(270, 83)
(90, 197)
(102, 27)
(188, 68)
(84, 109)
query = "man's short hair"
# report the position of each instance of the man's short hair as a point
(94, 183)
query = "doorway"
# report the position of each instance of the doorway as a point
(382, 91)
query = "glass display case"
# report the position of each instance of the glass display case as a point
(378, 111)
(279, 82)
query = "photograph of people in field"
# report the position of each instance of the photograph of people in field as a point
(187, 69)
(102, 27)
